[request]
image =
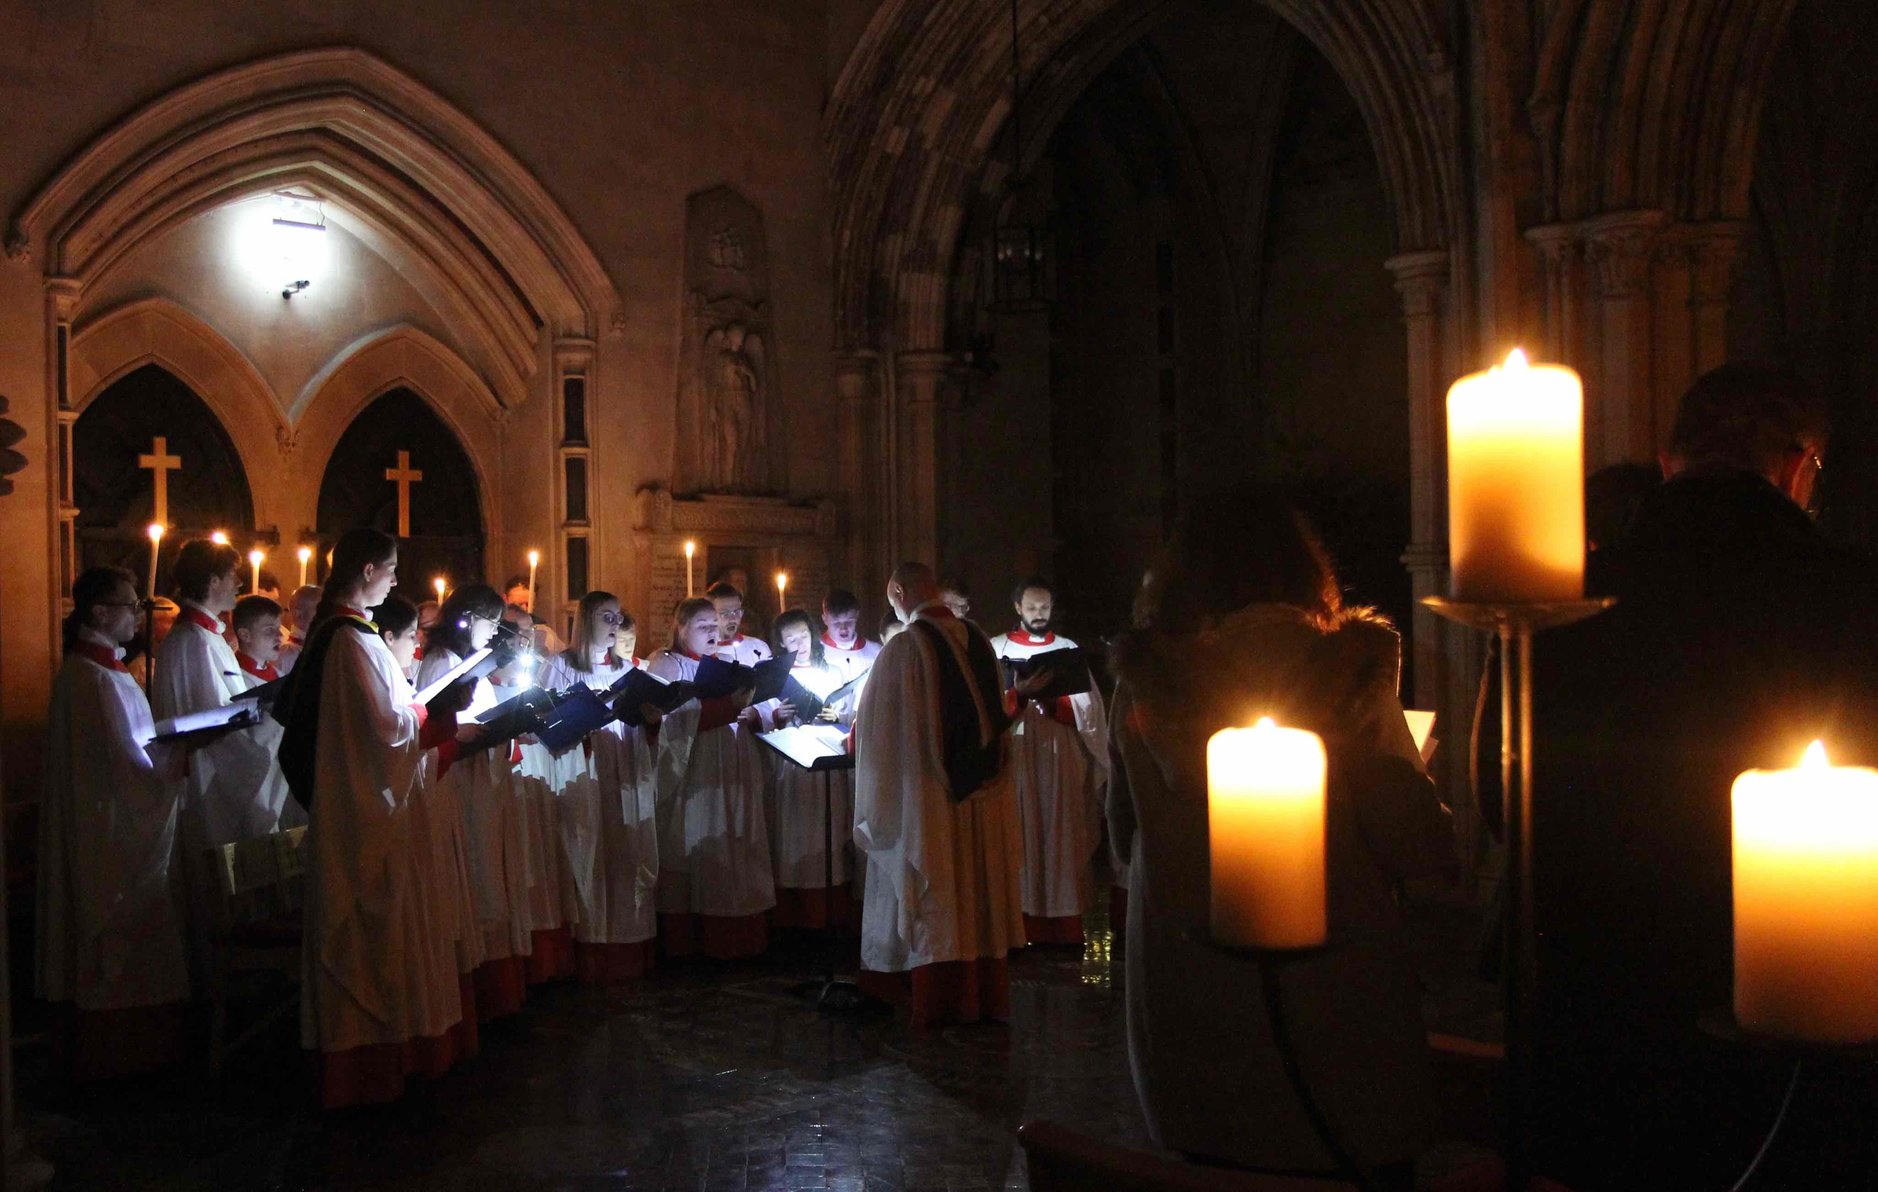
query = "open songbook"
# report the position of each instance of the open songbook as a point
(811, 746)
(514, 717)
(481, 663)
(576, 712)
(640, 687)
(808, 691)
(264, 695)
(1422, 728)
(198, 728)
(1068, 667)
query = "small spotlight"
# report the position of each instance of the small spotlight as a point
(294, 287)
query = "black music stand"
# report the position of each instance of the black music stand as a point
(835, 994)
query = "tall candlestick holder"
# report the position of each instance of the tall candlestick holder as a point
(1514, 624)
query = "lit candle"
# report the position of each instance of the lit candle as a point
(219, 538)
(782, 592)
(1806, 901)
(441, 585)
(306, 556)
(534, 561)
(1516, 503)
(1265, 828)
(254, 564)
(156, 545)
(691, 588)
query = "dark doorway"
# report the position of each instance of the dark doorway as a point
(446, 525)
(207, 485)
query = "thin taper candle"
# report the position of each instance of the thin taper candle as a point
(534, 561)
(156, 545)
(691, 588)
(255, 558)
(306, 556)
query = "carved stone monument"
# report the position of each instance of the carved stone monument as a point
(729, 415)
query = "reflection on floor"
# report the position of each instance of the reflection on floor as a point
(701, 1077)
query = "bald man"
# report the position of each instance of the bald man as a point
(935, 814)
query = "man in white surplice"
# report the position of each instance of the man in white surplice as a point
(935, 816)
(1060, 752)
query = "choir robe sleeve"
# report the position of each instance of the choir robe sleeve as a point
(227, 788)
(108, 933)
(900, 798)
(367, 767)
(1092, 727)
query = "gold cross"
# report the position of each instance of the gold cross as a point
(405, 477)
(160, 462)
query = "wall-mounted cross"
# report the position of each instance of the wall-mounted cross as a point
(160, 463)
(404, 476)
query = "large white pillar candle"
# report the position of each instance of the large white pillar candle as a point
(1516, 489)
(1806, 901)
(1265, 825)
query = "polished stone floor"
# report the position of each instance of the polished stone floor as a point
(701, 1077)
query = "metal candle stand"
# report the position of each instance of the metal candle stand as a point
(1514, 624)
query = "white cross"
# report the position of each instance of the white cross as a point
(160, 462)
(405, 477)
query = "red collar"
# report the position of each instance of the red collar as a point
(107, 659)
(1022, 638)
(831, 643)
(693, 657)
(202, 620)
(266, 674)
(346, 610)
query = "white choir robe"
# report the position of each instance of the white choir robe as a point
(380, 994)
(942, 877)
(110, 933)
(850, 663)
(714, 850)
(233, 789)
(551, 908)
(609, 832)
(747, 650)
(482, 783)
(799, 808)
(292, 815)
(1062, 774)
(289, 654)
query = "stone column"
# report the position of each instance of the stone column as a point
(860, 460)
(1422, 280)
(1619, 249)
(920, 375)
(1714, 252)
(1564, 302)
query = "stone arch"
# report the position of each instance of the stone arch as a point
(401, 358)
(1653, 106)
(417, 177)
(921, 101)
(158, 331)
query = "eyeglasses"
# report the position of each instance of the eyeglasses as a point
(610, 618)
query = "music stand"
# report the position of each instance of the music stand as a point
(835, 994)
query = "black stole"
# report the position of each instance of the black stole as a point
(297, 707)
(971, 709)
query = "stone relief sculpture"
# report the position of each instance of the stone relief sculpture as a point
(729, 416)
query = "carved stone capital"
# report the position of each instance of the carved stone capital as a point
(1555, 242)
(573, 353)
(1620, 248)
(1714, 251)
(1422, 279)
(854, 375)
(287, 439)
(63, 292)
(616, 325)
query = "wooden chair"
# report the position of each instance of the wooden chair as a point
(256, 928)
(1061, 1160)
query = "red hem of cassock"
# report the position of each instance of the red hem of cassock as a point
(109, 1044)
(501, 987)
(720, 937)
(551, 955)
(945, 991)
(812, 907)
(465, 1033)
(376, 1073)
(1118, 910)
(612, 964)
(1058, 929)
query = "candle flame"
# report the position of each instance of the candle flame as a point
(691, 548)
(256, 555)
(534, 558)
(305, 553)
(155, 531)
(219, 538)
(439, 584)
(1815, 757)
(1264, 724)
(1516, 360)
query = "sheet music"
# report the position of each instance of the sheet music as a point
(807, 744)
(232, 715)
(437, 686)
(1421, 727)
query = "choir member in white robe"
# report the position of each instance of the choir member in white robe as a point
(936, 817)
(300, 609)
(1060, 754)
(843, 647)
(551, 906)
(604, 793)
(375, 1003)
(110, 940)
(715, 887)
(256, 622)
(481, 783)
(232, 790)
(732, 644)
(813, 884)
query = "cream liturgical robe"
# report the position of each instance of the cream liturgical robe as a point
(942, 877)
(374, 972)
(234, 789)
(747, 650)
(850, 664)
(798, 819)
(1062, 773)
(609, 832)
(714, 850)
(110, 928)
